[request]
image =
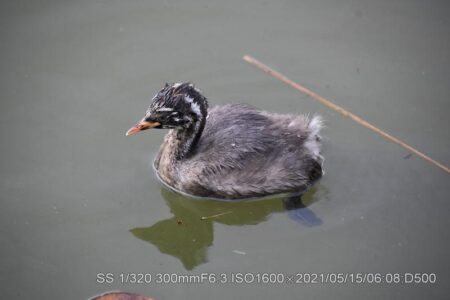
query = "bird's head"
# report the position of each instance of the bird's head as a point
(176, 106)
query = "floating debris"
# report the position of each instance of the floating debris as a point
(341, 110)
(239, 252)
(215, 216)
(407, 156)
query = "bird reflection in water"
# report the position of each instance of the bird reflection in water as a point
(189, 233)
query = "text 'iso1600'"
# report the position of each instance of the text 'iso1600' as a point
(267, 278)
(174, 278)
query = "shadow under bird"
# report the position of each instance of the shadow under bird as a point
(232, 151)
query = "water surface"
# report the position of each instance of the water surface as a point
(78, 198)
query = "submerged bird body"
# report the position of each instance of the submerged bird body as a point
(232, 151)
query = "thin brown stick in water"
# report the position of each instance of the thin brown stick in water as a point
(340, 110)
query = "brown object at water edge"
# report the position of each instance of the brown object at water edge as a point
(121, 296)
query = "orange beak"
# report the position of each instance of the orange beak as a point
(142, 125)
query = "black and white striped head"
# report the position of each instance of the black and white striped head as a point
(175, 106)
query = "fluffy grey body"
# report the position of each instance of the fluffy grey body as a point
(237, 151)
(243, 152)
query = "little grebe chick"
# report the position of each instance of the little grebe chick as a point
(232, 151)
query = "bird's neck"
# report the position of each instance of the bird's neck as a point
(186, 139)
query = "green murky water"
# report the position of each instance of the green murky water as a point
(79, 199)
